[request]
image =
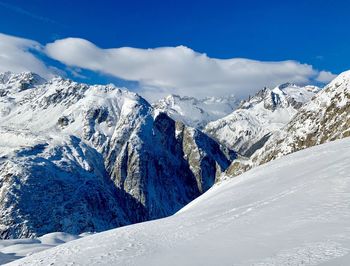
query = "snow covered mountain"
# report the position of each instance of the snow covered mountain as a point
(194, 112)
(77, 158)
(325, 118)
(292, 211)
(248, 127)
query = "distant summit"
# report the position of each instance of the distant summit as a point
(250, 125)
(196, 112)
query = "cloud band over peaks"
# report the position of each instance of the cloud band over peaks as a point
(160, 71)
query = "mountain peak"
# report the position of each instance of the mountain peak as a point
(249, 127)
(286, 85)
(342, 78)
(196, 112)
(324, 118)
(22, 80)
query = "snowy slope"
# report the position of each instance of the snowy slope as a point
(257, 117)
(196, 112)
(13, 249)
(292, 211)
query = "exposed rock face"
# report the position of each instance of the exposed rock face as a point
(325, 118)
(50, 187)
(249, 127)
(204, 156)
(165, 165)
(79, 158)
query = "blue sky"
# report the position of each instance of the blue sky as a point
(311, 32)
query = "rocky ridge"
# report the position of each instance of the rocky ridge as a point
(251, 124)
(325, 118)
(78, 158)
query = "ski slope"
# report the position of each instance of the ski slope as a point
(292, 211)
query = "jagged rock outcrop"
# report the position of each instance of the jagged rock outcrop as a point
(325, 118)
(48, 187)
(165, 165)
(77, 158)
(250, 126)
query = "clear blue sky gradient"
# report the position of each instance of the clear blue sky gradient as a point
(310, 31)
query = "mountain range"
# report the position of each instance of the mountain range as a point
(87, 158)
(79, 158)
(250, 125)
(326, 117)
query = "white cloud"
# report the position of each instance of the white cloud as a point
(181, 70)
(160, 71)
(325, 76)
(16, 55)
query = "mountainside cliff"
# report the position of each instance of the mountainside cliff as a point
(77, 158)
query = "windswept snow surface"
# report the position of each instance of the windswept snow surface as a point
(12, 249)
(292, 211)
